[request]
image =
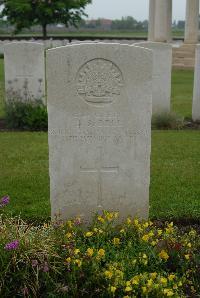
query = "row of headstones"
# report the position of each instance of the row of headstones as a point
(54, 43)
(99, 100)
(25, 72)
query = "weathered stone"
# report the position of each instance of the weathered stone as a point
(162, 68)
(99, 108)
(24, 71)
(196, 91)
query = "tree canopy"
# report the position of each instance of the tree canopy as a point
(26, 13)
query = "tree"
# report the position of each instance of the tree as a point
(26, 13)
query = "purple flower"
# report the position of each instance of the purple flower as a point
(34, 263)
(46, 267)
(4, 201)
(25, 291)
(12, 245)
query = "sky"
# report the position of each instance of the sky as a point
(116, 9)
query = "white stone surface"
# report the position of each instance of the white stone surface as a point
(24, 71)
(57, 43)
(162, 68)
(192, 21)
(151, 27)
(99, 108)
(196, 91)
(163, 20)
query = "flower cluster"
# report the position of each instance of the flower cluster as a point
(4, 201)
(104, 259)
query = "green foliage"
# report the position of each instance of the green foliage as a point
(66, 259)
(167, 121)
(25, 13)
(129, 23)
(175, 175)
(26, 115)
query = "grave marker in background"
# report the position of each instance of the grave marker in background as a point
(196, 91)
(24, 71)
(162, 68)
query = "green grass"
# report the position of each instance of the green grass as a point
(175, 174)
(93, 33)
(182, 90)
(24, 173)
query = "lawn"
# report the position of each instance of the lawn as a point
(182, 90)
(175, 166)
(175, 174)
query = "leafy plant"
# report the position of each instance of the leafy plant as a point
(26, 13)
(167, 121)
(30, 115)
(66, 259)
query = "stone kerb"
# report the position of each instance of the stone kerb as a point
(99, 109)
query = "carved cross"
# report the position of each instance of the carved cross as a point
(100, 169)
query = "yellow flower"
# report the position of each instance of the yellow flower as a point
(136, 222)
(101, 219)
(128, 283)
(69, 235)
(180, 284)
(163, 280)
(69, 223)
(145, 225)
(164, 255)
(168, 292)
(108, 274)
(171, 277)
(90, 252)
(76, 251)
(144, 256)
(135, 281)
(101, 253)
(78, 262)
(149, 283)
(68, 260)
(189, 245)
(128, 289)
(128, 221)
(153, 243)
(89, 234)
(159, 232)
(153, 275)
(169, 228)
(122, 231)
(187, 257)
(116, 241)
(113, 289)
(144, 290)
(145, 238)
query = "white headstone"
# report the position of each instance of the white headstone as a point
(57, 43)
(162, 68)
(99, 109)
(196, 91)
(24, 71)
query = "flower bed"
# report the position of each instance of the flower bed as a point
(66, 259)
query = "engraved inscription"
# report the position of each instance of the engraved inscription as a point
(100, 170)
(99, 81)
